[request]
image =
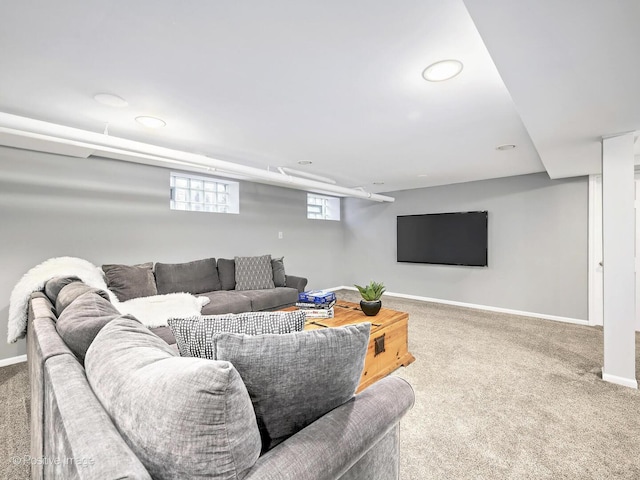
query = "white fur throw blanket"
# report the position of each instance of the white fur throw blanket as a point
(151, 311)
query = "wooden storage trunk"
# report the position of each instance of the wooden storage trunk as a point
(388, 345)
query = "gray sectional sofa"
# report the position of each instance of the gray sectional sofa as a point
(216, 280)
(104, 419)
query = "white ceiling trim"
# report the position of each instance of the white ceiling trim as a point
(30, 134)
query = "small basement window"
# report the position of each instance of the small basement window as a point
(321, 207)
(203, 194)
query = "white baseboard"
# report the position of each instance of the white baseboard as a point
(5, 362)
(544, 316)
(625, 382)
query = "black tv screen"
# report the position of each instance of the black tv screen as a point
(443, 238)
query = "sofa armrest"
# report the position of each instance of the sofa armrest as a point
(296, 282)
(330, 446)
(81, 440)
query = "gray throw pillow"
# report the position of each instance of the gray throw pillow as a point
(295, 378)
(130, 281)
(279, 278)
(83, 319)
(67, 295)
(185, 418)
(193, 334)
(227, 273)
(199, 276)
(254, 273)
(53, 286)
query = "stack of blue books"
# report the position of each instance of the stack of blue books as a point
(317, 303)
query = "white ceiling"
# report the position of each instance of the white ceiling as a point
(338, 83)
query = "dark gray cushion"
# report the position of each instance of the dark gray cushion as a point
(193, 334)
(130, 281)
(184, 418)
(224, 301)
(53, 286)
(295, 378)
(165, 334)
(195, 277)
(73, 290)
(227, 273)
(279, 277)
(254, 273)
(81, 321)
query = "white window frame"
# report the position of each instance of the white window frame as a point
(323, 207)
(197, 193)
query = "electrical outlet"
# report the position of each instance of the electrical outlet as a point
(280, 235)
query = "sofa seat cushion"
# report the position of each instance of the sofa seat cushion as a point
(194, 277)
(271, 299)
(184, 418)
(224, 301)
(295, 378)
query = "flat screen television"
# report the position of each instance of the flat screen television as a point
(443, 238)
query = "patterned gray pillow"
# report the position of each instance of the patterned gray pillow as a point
(194, 334)
(183, 417)
(254, 273)
(295, 378)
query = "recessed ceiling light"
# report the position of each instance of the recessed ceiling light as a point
(442, 70)
(110, 100)
(305, 162)
(506, 146)
(423, 175)
(151, 122)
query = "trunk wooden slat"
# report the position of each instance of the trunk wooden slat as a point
(389, 331)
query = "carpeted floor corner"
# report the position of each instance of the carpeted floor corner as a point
(497, 397)
(14, 422)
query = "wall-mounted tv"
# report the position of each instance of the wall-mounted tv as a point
(443, 238)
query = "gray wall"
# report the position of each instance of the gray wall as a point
(538, 244)
(107, 211)
(114, 212)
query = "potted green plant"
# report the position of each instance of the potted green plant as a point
(371, 303)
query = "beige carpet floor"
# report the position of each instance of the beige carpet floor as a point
(497, 397)
(14, 422)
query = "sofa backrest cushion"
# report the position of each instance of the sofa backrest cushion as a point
(254, 273)
(193, 334)
(53, 286)
(279, 277)
(227, 273)
(73, 290)
(130, 281)
(199, 276)
(184, 418)
(295, 378)
(81, 321)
